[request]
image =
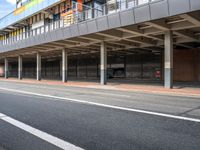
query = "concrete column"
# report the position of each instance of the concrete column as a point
(103, 67)
(64, 65)
(60, 68)
(6, 68)
(38, 70)
(168, 76)
(20, 67)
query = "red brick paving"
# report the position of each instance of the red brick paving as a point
(186, 91)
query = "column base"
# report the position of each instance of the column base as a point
(20, 75)
(64, 76)
(103, 77)
(39, 76)
(168, 80)
(6, 75)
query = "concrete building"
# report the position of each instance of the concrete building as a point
(154, 40)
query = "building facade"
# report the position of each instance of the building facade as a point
(120, 40)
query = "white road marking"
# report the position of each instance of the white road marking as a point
(92, 92)
(2, 115)
(42, 135)
(104, 105)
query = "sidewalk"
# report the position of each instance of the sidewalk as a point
(156, 89)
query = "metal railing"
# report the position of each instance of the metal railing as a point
(77, 16)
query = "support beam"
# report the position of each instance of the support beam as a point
(20, 67)
(139, 32)
(38, 61)
(6, 68)
(162, 25)
(165, 27)
(168, 76)
(103, 68)
(64, 65)
(187, 34)
(193, 19)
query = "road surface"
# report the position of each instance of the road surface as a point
(41, 117)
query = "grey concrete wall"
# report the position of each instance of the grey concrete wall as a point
(51, 69)
(13, 69)
(84, 66)
(29, 69)
(132, 66)
(143, 66)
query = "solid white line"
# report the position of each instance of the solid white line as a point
(1, 115)
(42, 135)
(105, 105)
(93, 92)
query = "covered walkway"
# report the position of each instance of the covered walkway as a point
(137, 68)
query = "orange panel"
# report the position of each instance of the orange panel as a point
(80, 6)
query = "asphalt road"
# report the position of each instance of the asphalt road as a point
(94, 127)
(175, 105)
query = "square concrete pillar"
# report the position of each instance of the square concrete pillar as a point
(20, 67)
(64, 65)
(103, 67)
(168, 74)
(38, 69)
(6, 68)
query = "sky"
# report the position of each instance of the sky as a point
(6, 6)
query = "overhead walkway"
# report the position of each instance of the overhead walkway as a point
(158, 27)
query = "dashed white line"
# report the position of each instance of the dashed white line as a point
(40, 134)
(104, 105)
